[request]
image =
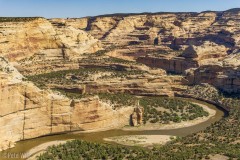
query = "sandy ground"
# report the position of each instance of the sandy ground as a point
(218, 157)
(148, 140)
(135, 140)
(141, 140)
(182, 124)
(36, 151)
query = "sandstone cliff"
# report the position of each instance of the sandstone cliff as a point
(23, 39)
(177, 29)
(28, 112)
(203, 47)
(177, 42)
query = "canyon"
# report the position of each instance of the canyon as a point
(28, 112)
(164, 52)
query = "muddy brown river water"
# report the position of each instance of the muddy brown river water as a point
(24, 146)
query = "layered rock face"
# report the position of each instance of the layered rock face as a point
(208, 36)
(225, 78)
(103, 82)
(177, 42)
(20, 40)
(28, 112)
(75, 40)
(177, 29)
(192, 57)
(175, 65)
(203, 47)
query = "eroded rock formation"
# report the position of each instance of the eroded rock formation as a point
(28, 112)
(203, 47)
(39, 36)
(137, 116)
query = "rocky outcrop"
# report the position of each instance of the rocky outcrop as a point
(206, 53)
(75, 40)
(224, 76)
(24, 39)
(204, 46)
(137, 116)
(145, 86)
(39, 36)
(197, 38)
(173, 65)
(28, 112)
(77, 23)
(178, 29)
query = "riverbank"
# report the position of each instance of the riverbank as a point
(149, 140)
(40, 149)
(183, 124)
(99, 136)
(141, 140)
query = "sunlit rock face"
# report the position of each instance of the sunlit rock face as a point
(137, 116)
(177, 29)
(19, 40)
(23, 39)
(28, 112)
(202, 47)
(202, 41)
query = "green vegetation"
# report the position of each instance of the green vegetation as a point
(118, 100)
(102, 52)
(161, 53)
(72, 95)
(69, 77)
(100, 57)
(93, 59)
(18, 19)
(77, 149)
(222, 137)
(156, 109)
(175, 110)
(208, 92)
(118, 60)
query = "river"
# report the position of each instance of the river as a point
(24, 146)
